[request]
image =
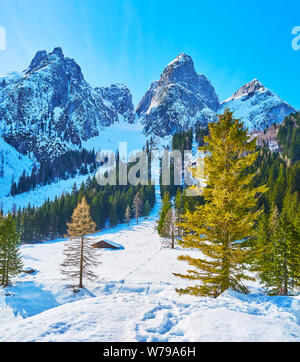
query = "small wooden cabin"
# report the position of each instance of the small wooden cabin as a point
(104, 244)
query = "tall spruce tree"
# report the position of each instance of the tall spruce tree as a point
(10, 259)
(166, 205)
(220, 228)
(168, 229)
(80, 256)
(147, 208)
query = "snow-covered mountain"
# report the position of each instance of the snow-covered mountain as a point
(183, 99)
(257, 106)
(179, 100)
(50, 108)
(119, 96)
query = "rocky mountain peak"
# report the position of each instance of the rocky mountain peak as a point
(180, 71)
(248, 89)
(257, 106)
(58, 51)
(50, 108)
(177, 100)
(39, 57)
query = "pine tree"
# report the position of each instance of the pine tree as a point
(127, 214)
(221, 228)
(279, 266)
(262, 257)
(178, 212)
(166, 205)
(147, 208)
(79, 254)
(10, 260)
(168, 229)
(137, 206)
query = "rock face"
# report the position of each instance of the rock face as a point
(50, 108)
(257, 106)
(121, 99)
(182, 99)
(179, 100)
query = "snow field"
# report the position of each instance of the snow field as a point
(134, 299)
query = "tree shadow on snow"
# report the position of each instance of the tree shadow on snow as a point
(28, 299)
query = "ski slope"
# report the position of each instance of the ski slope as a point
(134, 298)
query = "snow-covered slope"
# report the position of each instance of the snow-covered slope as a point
(257, 106)
(179, 100)
(134, 299)
(12, 164)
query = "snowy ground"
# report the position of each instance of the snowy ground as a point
(133, 299)
(41, 194)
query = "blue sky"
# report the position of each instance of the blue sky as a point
(131, 41)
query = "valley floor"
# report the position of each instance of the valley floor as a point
(134, 299)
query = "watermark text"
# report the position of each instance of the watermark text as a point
(296, 39)
(2, 39)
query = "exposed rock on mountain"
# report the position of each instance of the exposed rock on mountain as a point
(50, 108)
(121, 99)
(257, 106)
(175, 102)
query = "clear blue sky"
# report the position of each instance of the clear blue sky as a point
(131, 41)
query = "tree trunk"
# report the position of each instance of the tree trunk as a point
(173, 244)
(81, 264)
(225, 284)
(285, 281)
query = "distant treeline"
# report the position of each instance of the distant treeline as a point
(289, 137)
(66, 166)
(280, 176)
(108, 205)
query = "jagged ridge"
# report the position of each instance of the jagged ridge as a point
(50, 108)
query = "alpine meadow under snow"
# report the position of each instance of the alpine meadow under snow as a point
(134, 299)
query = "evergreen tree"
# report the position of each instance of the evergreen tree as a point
(279, 265)
(113, 211)
(79, 254)
(166, 205)
(221, 227)
(147, 208)
(10, 260)
(168, 229)
(178, 211)
(263, 244)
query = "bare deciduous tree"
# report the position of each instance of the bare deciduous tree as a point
(127, 214)
(137, 206)
(80, 256)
